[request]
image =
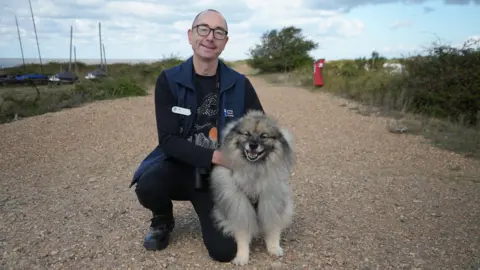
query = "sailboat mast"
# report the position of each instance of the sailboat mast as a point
(100, 38)
(70, 61)
(105, 59)
(75, 57)
(36, 37)
(21, 46)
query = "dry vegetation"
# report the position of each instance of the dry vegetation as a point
(123, 80)
(436, 93)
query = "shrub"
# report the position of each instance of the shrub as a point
(282, 50)
(443, 83)
(446, 82)
(109, 88)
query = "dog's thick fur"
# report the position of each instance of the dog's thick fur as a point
(260, 175)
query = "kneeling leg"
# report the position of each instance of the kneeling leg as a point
(221, 247)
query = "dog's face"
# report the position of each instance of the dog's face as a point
(254, 138)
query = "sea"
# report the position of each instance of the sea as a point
(12, 62)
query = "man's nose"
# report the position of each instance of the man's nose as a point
(210, 35)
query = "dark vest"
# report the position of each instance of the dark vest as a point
(180, 77)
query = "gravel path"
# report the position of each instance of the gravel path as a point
(365, 198)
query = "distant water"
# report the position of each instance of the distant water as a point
(11, 62)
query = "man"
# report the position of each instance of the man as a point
(189, 118)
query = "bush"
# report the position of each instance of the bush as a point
(282, 50)
(109, 88)
(444, 83)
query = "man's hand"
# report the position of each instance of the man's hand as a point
(219, 159)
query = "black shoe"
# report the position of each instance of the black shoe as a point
(157, 237)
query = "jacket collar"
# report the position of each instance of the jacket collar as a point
(186, 73)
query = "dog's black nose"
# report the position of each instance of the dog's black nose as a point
(253, 146)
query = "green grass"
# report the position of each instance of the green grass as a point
(124, 80)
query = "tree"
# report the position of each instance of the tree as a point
(376, 61)
(282, 50)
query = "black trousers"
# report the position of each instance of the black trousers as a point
(174, 180)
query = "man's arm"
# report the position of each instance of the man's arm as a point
(168, 128)
(252, 102)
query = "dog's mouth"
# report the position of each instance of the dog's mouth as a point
(253, 155)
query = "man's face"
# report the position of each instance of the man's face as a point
(205, 43)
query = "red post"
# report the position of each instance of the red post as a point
(318, 72)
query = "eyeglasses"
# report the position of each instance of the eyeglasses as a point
(204, 31)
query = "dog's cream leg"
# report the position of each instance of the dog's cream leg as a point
(272, 241)
(243, 248)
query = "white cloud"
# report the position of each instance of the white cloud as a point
(468, 42)
(402, 48)
(276, 5)
(140, 9)
(474, 38)
(182, 25)
(156, 28)
(410, 49)
(400, 23)
(342, 26)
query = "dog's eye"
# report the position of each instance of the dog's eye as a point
(246, 133)
(264, 136)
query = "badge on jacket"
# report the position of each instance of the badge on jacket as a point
(180, 110)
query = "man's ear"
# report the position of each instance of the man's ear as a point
(189, 35)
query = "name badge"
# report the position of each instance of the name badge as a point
(180, 110)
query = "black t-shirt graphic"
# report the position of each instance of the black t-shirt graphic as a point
(207, 111)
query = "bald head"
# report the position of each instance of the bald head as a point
(203, 13)
(208, 35)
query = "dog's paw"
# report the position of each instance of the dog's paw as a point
(240, 260)
(275, 251)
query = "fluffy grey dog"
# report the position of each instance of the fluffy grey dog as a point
(255, 196)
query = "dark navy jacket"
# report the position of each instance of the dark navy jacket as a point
(180, 77)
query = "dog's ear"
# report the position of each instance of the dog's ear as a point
(288, 136)
(229, 128)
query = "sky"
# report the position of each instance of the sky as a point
(153, 29)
